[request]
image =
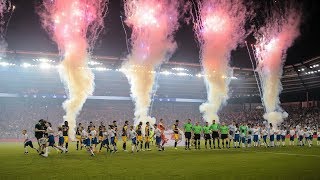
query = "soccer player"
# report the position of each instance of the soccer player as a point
(207, 136)
(65, 132)
(187, 133)
(271, 136)
(139, 136)
(157, 133)
(249, 135)
(237, 136)
(89, 127)
(27, 142)
(264, 134)
(112, 133)
(100, 132)
(215, 133)
(175, 129)
(307, 136)
(124, 135)
(283, 136)
(162, 127)
(197, 129)
(292, 133)
(78, 135)
(115, 128)
(256, 132)
(278, 135)
(94, 140)
(133, 137)
(243, 134)
(51, 141)
(105, 141)
(39, 131)
(60, 137)
(224, 130)
(147, 137)
(301, 134)
(231, 133)
(87, 141)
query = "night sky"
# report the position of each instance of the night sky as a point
(25, 33)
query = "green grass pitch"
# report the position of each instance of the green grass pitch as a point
(254, 163)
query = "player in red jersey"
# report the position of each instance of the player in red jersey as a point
(164, 140)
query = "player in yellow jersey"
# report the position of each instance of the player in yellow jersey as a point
(147, 137)
(139, 136)
(175, 130)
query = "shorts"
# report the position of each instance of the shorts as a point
(105, 142)
(243, 140)
(224, 136)
(139, 139)
(94, 140)
(134, 141)
(66, 139)
(249, 140)
(215, 135)
(61, 141)
(283, 138)
(86, 142)
(300, 138)
(291, 138)
(271, 137)
(187, 135)
(176, 137)
(158, 140)
(196, 136)
(236, 138)
(255, 138)
(78, 137)
(112, 140)
(124, 138)
(265, 138)
(28, 143)
(207, 136)
(51, 140)
(278, 137)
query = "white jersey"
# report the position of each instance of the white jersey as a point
(236, 130)
(264, 132)
(85, 134)
(105, 135)
(157, 132)
(271, 132)
(256, 131)
(232, 128)
(112, 133)
(292, 132)
(49, 131)
(301, 133)
(306, 133)
(318, 134)
(60, 134)
(93, 133)
(250, 132)
(26, 137)
(132, 134)
(283, 133)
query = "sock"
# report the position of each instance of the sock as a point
(186, 143)
(78, 145)
(46, 150)
(214, 142)
(175, 144)
(205, 143)
(227, 144)
(222, 143)
(198, 144)
(132, 147)
(25, 150)
(67, 144)
(124, 146)
(141, 145)
(218, 142)
(148, 145)
(145, 145)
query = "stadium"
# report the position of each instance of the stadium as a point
(78, 109)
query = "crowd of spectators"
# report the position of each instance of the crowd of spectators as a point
(17, 114)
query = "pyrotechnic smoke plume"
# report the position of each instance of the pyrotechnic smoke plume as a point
(219, 27)
(153, 22)
(5, 7)
(273, 40)
(75, 26)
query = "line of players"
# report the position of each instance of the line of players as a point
(241, 135)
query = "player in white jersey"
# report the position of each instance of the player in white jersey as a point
(277, 132)
(249, 136)
(112, 134)
(283, 136)
(27, 142)
(292, 134)
(51, 141)
(307, 136)
(94, 140)
(105, 139)
(256, 133)
(300, 135)
(264, 134)
(157, 134)
(236, 136)
(86, 141)
(298, 128)
(133, 137)
(232, 128)
(60, 137)
(271, 136)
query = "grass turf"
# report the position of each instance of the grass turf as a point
(253, 163)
